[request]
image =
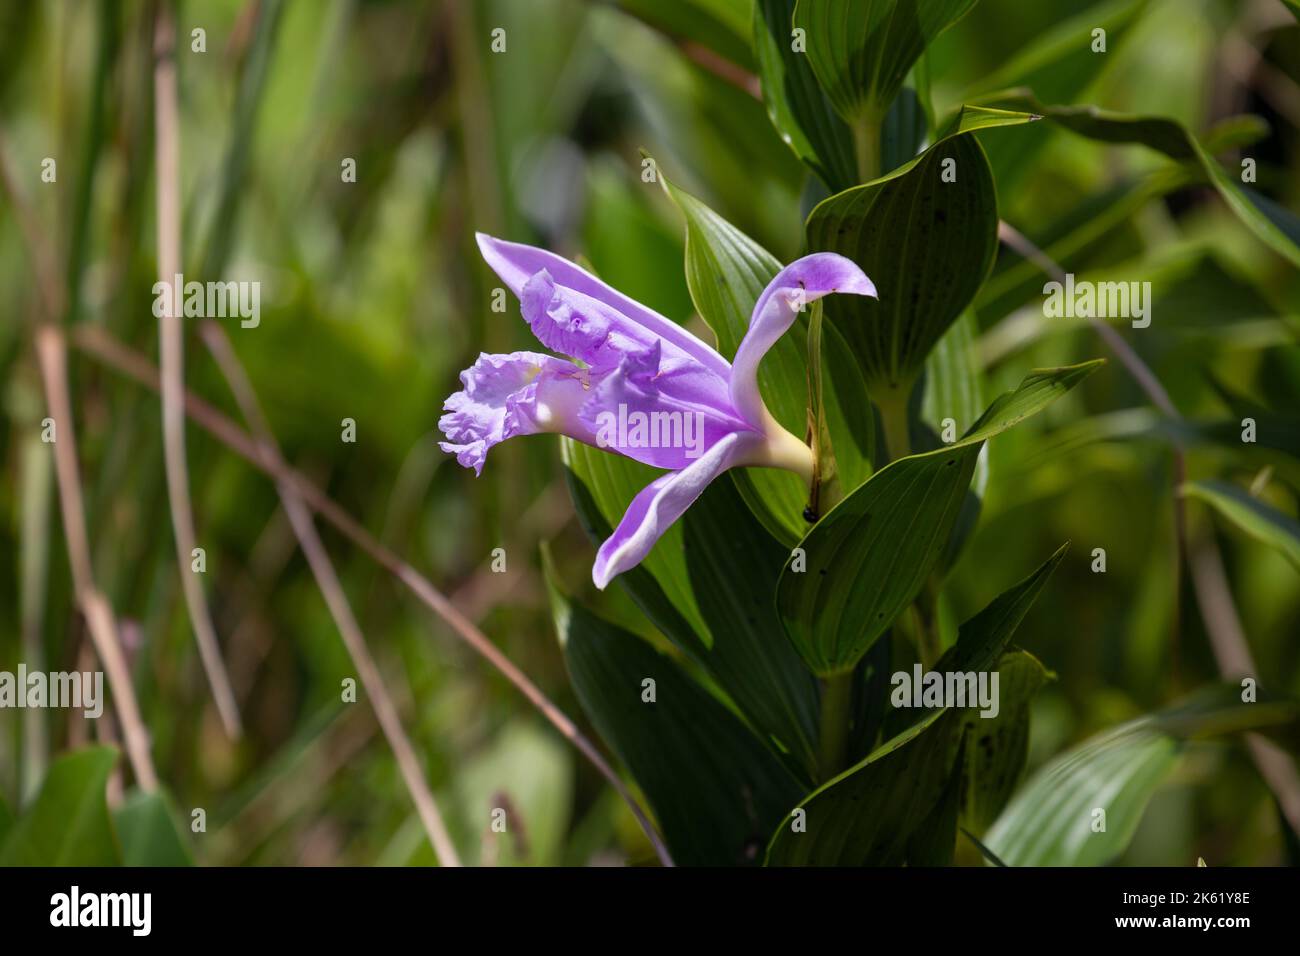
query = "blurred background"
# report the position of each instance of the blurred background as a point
(373, 298)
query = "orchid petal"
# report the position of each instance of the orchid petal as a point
(662, 502)
(802, 281)
(507, 395)
(632, 415)
(517, 263)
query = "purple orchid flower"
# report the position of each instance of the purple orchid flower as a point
(641, 386)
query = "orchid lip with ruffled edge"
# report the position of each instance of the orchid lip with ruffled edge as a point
(632, 362)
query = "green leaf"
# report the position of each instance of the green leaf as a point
(722, 568)
(996, 748)
(869, 557)
(1053, 820)
(715, 789)
(602, 484)
(982, 640)
(1257, 518)
(726, 272)
(932, 843)
(146, 824)
(68, 823)
(1035, 392)
(861, 52)
(927, 245)
(734, 566)
(868, 815)
(718, 25)
(1272, 224)
(796, 105)
(954, 388)
(904, 130)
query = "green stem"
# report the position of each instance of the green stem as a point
(836, 707)
(893, 419)
(866, 144)
(824, 491)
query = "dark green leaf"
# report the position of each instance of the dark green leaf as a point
(734, 566)
(869, 814)
(933, 842)
(868, 558)
(927, 244)
(954, 389)
(866, 815)
(795, 103)
(602, 485)
(715, 789)
(723, 567)
(861, 52)
(982, 640)
(996, 747)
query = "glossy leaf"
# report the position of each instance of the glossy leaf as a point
(715, 789)
(861, 52)
(870, 813)
(996, 748)
(868, 558)
(954, 389)
(724, 567)
(795, 102)
(602, 485)
(67, 823)
(1054, 820)
(928, 244)
(866, 815)
(1258, 519)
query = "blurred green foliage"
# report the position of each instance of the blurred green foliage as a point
(373, 298)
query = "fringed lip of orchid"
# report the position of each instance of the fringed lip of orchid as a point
(635, 366)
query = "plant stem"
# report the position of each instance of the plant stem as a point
(824, 492)
(836, 704)
(893, 419)
(866, 144)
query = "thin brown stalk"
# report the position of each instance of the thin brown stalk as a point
(332, 590)
(172, 358)
(97, 342)
(100, 619)
(1209, 579)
